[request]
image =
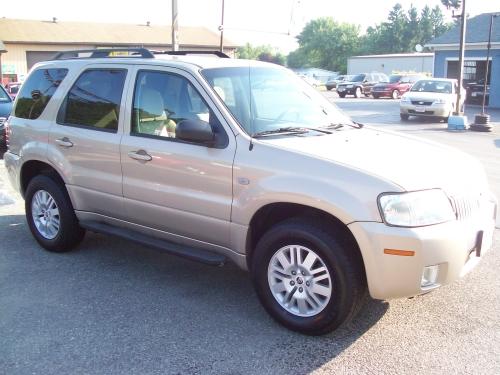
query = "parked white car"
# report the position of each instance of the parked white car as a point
(433, 97)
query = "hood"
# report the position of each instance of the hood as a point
(410, 162)
(5, 109)
(427, 96)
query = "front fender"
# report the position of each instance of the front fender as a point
(268, 175)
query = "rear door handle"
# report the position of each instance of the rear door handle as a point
(64, 142)
(140, 155)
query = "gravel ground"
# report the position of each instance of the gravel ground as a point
(111, 307)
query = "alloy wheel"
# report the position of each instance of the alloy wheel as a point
(45, 214)
(299, 280)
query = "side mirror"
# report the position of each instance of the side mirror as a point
(197, 131)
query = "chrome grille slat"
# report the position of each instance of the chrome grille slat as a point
(465, 206)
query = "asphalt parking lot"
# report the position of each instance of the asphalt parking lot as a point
(112, 307)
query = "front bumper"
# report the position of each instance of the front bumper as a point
(438, 110)
(346, 90)
(452, 246)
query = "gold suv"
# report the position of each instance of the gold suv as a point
(218, 159)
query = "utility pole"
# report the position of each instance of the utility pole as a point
(458, 110)
(482, 120)
(221, 29)
(175, 26)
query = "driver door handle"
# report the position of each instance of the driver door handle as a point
(64, 142)
(140, 155)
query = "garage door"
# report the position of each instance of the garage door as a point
(32, 57)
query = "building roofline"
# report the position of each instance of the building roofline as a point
(476, 44)
(103, 44)
(417, 54)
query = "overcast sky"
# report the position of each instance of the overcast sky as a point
(273, 22)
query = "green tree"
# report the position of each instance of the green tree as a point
(394, 37)
(438, 24)
(426, 26)
(327, 43)
(412, 30)
(455, 4)
(263, 53)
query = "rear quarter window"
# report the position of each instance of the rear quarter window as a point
(37, 91)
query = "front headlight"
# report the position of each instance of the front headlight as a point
(416, 209)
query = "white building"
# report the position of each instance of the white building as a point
(392, 63)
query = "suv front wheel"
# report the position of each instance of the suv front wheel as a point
(307, 278)
(50, 215)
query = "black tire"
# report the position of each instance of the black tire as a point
(342, 95)
(376, 96)
(395, 94)
(358, 92)
(342, 261)
(70, 234)
(404, 116)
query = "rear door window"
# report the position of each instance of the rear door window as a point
(94, 100)
(37, 92)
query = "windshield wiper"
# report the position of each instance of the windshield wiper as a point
(336, 126)
(290, 130)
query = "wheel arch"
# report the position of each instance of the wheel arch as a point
(32, 168)
(273, 213)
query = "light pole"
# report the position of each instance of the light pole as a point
(458, 110)
(175, 26)
(221, 29)
(458, 121)
(487, 60)
(482, 121)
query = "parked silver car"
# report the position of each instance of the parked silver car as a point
(215, 159)
(431, 97)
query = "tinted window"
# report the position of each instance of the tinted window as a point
(94, 100)
(37, 92)
(358, 78)
(4, 97)
(162, 100)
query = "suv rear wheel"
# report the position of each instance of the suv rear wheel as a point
(306, 277)
(50, 215)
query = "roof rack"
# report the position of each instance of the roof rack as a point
(103, 52)
(192, 52)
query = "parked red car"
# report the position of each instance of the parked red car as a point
(398, 84)
(13, 89)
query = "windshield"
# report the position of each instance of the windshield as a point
(358, 78)
(267, 98)
(395, 78)
(4, 97)
(432, 86)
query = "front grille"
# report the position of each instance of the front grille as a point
(465, 206)
(420, 102)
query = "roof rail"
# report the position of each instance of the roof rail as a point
(103, 53)
(192, 52)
